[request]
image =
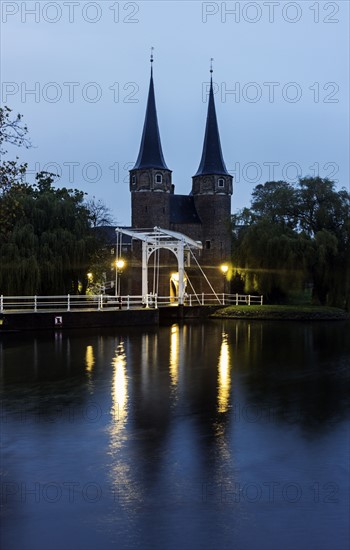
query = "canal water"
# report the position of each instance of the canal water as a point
(222, 435)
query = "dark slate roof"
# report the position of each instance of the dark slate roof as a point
(151, 154)
(183, 210)
(212, 161)
(109, 236)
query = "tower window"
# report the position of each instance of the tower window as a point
(159, 178)
(207, 245)
(221, 182)
(133, 180)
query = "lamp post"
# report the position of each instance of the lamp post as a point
(224, 270)
(89, 278)
(119, 266)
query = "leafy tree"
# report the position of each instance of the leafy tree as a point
(99, 213)
(294, 235)
(49, 247)
(11, 130)
(319, 206)
(12, 172)
(47, 242)
(323, 214)
(269, 259)
(274, 201)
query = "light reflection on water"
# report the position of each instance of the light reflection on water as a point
(224, 376)
(174, 355)
(192, 433)
(121, 475)
(119, 387)
(89, 358)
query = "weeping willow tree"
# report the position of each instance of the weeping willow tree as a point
(48, 242)
(46, 239)
(293, 237)
(269, 260)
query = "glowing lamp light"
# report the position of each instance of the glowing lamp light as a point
(224, 268)
(120, 264)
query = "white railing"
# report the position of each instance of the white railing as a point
(99, 302)
(223, 299)
(67, 302)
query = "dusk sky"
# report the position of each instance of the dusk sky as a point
(79, 73)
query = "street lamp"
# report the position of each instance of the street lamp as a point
(224, 270)
(119, 266)
(89, 281)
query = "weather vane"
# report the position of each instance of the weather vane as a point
(152, 54)
(211, 64)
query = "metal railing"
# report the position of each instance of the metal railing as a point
(68, 302)
(99, 302)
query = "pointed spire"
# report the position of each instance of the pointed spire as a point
(151, 154)
(212, 161)
(211, 65)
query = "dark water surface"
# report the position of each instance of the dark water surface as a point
(228, 434)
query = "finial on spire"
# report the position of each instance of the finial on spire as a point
(211, 65)
(151, 59)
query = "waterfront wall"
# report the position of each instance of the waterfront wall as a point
(178, 313)
(77, 319)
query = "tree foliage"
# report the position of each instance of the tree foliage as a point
(47, 242)
(12, 131)
(295, 236)
(99, 213)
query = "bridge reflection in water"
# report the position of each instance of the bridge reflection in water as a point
(222, 434)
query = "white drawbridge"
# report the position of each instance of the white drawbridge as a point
(155, 239)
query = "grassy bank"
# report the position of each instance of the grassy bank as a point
(297, 313)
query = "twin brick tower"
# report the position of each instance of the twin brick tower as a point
(203, 215)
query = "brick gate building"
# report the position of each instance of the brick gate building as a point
(203, 214)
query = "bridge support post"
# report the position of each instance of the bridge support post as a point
(144, 273)
(180, 262)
